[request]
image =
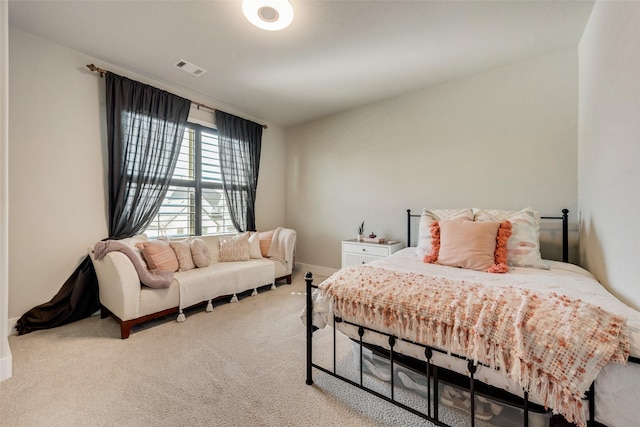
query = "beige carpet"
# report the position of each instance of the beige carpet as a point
(242, 364)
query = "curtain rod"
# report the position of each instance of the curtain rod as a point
(197, 104)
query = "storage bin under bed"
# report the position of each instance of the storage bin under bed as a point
(490, 411)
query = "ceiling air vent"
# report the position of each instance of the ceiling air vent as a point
(190, 68)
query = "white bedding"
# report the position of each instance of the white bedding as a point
(617, 387)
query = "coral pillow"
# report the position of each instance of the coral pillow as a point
(159, 255)
(265, 241)
(474, 245)
(182, 249)
(200, 253)
(235, 249)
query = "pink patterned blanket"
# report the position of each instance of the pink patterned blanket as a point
(549, 344)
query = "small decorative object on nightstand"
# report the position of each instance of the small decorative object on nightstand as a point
(356, 253)
(361, 232)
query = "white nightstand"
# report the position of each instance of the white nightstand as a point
(355, 253)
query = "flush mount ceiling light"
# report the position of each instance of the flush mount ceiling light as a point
(271, 15)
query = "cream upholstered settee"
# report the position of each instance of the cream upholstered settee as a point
(129, 302)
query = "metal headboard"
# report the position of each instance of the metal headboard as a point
(565, 230)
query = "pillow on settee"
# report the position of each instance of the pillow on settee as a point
(159, 255)
(235, 248)
(200, 253)
(254, 245)
(182, 249)
(479, 246)
(265, 241)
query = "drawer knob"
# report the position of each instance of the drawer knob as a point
(364, 250)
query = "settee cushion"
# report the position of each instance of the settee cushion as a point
(200, 253)
(235, 248)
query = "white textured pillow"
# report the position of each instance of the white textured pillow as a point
(235, 248)
(426, 219)
(254, 245)
(523, 247)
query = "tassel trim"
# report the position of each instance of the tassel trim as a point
(209, 307)
(234, 298)
(181, 317)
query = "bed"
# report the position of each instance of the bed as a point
(576, 346)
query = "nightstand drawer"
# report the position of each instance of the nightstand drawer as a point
(357, 253)
(366, 249)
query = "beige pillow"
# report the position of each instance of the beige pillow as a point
(182, 249)
(468, 244)
(265, 242)
(159, 255)
(254, 245)
(200, 253)
(235, 248)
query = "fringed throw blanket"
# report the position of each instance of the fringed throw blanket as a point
(549, 344)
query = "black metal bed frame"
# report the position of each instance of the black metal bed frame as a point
(431, 371)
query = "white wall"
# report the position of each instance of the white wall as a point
(502, 139)
(609, 147)
(57, 197)
(5, 351)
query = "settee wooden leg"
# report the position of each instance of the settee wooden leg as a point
(289, 279)
(125, 330)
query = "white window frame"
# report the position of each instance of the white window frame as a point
(197, 173)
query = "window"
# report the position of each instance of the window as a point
(195, 203)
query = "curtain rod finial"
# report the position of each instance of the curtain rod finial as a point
(99, 70)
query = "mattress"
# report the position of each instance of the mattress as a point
(617, 386)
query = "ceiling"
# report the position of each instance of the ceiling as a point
(336, 55)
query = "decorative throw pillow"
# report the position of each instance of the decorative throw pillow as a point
(426, 219)
(182, 249)
(159, 255)
(523, 247)
(235, 248)
(200, 253)
(265, 241)
(467, 244)
(254, 246)
(472, 245)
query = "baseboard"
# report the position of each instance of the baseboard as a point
(315, 269)
(11, 324)
(5, 367)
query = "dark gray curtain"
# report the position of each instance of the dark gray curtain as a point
(145, 126)
(240, 142)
